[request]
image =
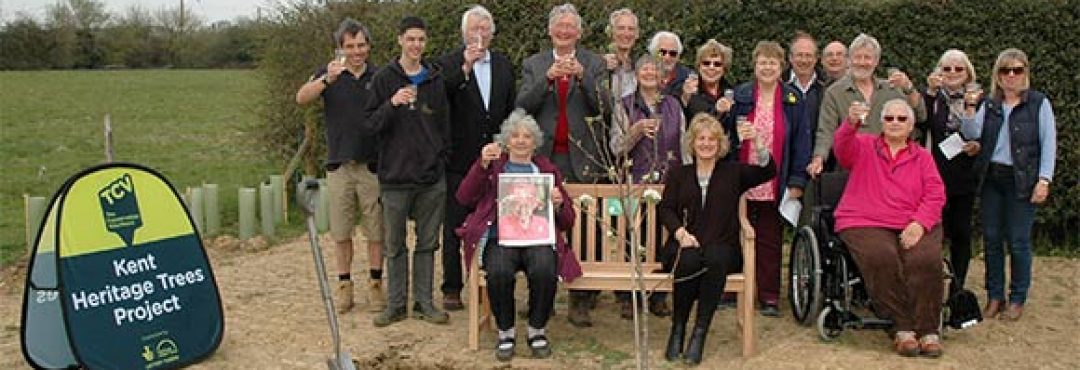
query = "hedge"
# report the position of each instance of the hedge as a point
(913, 34)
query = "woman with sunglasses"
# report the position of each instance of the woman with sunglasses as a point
(888, 217)
(945, 104)
(773, 111)
(1017, 130)
(705, 93)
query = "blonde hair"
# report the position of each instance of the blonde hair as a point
(712, 49)
(706, 123)
(959, 56)
(769, 49)
(1007, 56)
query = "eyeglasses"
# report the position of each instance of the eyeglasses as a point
(1011, 70)
(712, 63)
(670, 53)
(900, 119)
(949, 69)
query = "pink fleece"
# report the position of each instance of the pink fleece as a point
(886, 192)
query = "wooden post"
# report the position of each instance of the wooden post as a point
(266, 209)
(108, 139)
(246, 222)
(35, 214)
(211, 210)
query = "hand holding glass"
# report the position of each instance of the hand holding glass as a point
(972, 93)
(742, 127)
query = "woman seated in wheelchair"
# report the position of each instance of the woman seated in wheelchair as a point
(543, 264)
(889, 219)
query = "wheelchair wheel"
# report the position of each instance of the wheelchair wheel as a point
(829, 324)
(804, 277)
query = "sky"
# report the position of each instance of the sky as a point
(210, 10)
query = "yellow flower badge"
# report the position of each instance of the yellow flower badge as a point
(791, 99)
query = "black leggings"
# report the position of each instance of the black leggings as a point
(540, 264)
(956, 220)
(705, 287)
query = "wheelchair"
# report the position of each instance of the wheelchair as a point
(825, 287)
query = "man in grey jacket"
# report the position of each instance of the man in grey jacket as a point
(563, 89)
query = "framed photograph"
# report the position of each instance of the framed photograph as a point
(526, 215)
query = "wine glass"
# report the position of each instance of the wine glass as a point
(412, 101)
(972, 93)
(340, 56)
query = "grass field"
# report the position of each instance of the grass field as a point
(194, 126)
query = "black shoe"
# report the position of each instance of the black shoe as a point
(675, 342)
(770, 310)
(626, 310)
(726, 303)
(659, 308)
(579, 314)
(540, 346)
(504, 349)
(693, 353)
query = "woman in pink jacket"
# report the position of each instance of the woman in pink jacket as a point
(889, 218)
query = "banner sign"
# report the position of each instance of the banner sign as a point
(119, 278)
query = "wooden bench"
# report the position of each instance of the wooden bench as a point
(613, 271)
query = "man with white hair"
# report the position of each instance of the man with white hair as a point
(667, 46)
(480, 88)
(860, 85)
(562, 89)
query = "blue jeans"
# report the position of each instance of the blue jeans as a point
(1006, 218)
(425, 205)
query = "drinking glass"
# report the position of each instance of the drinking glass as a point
(339, 56)
(742, 126)
(972, 93)
(412, 101)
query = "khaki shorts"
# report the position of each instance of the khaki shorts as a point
(353, 188)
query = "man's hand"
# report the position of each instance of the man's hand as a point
(333, 71)
(911, 235)
(471, 54)
(794, 193)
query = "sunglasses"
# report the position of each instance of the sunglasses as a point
(900, 119)
(670, 53)
(1011, 70)
(711, 63)
(949, 69)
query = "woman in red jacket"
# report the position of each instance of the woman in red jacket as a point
(889, 219)
(543, 264)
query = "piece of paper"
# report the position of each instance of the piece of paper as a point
(951, 146)
(790, 209)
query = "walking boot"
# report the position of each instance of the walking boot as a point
(376, 297)
(343, 296)
(694, 350)
(579, 313)
(675, 341)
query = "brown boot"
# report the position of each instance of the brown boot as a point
(579, 313)
(993, 308)
(376, 297)
(1013, 313)
(343, 296)
(452, 302)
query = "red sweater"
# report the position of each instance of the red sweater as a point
(883, 191)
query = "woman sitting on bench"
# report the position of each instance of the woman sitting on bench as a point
(543, 264)
(700, 210)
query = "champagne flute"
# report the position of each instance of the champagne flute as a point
(729, 94)
(972, 93)
(340, 56)
(742, 127)
(412, 101)
(864, 110)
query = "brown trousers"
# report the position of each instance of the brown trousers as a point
(905, 284)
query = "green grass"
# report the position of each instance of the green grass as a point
(194, 126)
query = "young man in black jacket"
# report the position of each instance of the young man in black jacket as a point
(409, 114)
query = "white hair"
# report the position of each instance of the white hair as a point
(476, 11)
(864, 41)
(518, 119)
(902, 103)
(654, 43)
(561, 10)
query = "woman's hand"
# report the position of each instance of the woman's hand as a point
(686, 239)
(1042, 190)
(971, 148)
(488, 153)
(723, 105)
(911, 235)
(556, 197)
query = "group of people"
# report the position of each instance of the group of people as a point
(426, 140)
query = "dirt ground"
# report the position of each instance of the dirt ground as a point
(274, 320)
